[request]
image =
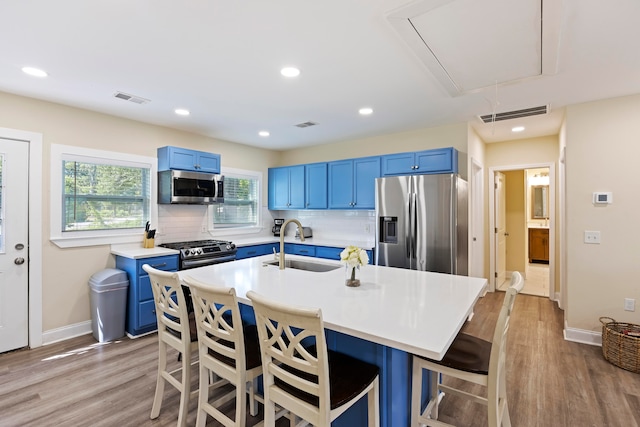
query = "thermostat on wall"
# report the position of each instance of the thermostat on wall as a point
(602, 198)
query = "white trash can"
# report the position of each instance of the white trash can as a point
(108, 303)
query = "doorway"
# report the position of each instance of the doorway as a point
(32, 199)
(14, 244)
(522, 212)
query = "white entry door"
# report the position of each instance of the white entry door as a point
(500, 211)
(14, 249)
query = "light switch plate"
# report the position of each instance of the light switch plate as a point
(629, 304)
(592, 237)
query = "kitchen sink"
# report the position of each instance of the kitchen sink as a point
(304, 265)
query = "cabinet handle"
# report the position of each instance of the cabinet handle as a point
(159, 265)
(251, 253)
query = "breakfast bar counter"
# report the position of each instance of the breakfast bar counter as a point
(393, 314)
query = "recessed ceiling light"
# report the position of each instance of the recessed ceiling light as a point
(36, 72)
(263, 133)
(290, 72)
(182, 112)
(517, 129)
(365, 111)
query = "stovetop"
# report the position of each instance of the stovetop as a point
(202, 248)
(195, 244)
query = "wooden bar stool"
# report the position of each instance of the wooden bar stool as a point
(301, 375)
(470, 359)
(228, 349)
(174, 331)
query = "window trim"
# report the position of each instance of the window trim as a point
(71, 239)
(230, 231)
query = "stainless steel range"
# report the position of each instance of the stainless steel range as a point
(203, 252)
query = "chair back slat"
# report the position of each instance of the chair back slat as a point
(294, 353)
(174, 330)
(219, 324)
(171, 306)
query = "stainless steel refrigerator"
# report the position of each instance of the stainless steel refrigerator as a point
(422, 223)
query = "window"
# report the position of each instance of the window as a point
(241, 207)
(100, 197)
(104, 197)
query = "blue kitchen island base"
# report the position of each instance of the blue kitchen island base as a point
(395, 377)
(395, 380)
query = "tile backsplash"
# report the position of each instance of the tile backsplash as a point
(190, 222)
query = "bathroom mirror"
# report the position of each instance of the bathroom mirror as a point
(540, 202)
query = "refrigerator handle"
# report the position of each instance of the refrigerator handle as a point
(408, 226)
(414, 225)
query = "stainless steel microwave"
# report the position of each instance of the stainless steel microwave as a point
(192, 188)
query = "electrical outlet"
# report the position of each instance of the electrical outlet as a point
(629, 304)
(204, 228)
(367, 228)
(592, 237)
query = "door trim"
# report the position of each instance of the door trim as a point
(552, 222)
(477, 223)
(35, 229)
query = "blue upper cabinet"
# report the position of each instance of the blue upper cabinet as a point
(441, 160)
(352, 183)
(188, 160)
(316, 186)
(286, 187)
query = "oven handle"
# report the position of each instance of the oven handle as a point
(207, 261)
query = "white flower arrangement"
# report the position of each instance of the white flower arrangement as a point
(354, 256)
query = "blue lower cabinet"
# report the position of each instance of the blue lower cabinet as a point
(141, 310)
(298, 249)
(329, 252)
(256, 250)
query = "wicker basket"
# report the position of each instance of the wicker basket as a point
(621, 344)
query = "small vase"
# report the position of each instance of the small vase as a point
(352, 276)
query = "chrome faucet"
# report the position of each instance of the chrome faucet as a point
(284, 226)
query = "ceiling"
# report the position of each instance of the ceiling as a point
(417, 64)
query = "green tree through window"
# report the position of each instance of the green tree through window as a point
(104, 197)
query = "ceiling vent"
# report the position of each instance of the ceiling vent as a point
(516, 114)
(131, 98)
(306, 124)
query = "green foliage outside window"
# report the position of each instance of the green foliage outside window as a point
(103, 197)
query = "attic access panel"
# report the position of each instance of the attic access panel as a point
(470, 45)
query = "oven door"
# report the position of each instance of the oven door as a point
(200, 262)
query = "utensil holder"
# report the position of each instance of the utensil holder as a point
(148, 243)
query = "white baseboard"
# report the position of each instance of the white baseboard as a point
(582, 336)
(60, 334)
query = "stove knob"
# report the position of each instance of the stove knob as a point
(186, 252)
(199, 251)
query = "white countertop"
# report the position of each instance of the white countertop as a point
(413, 311)
(136, 251)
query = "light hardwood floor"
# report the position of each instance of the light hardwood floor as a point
(551, 382)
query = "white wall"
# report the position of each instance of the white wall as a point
(602, 152)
